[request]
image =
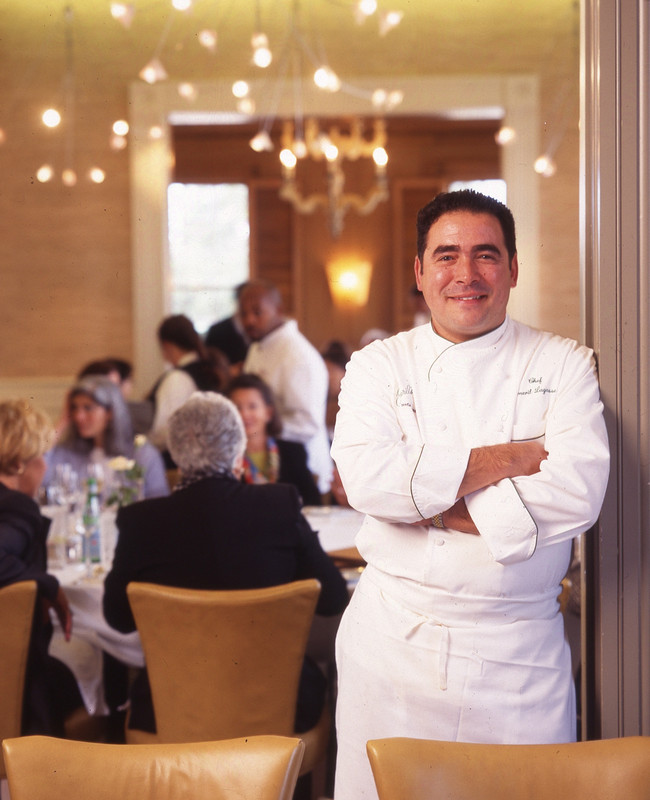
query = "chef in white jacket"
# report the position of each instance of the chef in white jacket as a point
(477, 449)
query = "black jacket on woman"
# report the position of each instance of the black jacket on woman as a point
(219, 533)
(50, 689)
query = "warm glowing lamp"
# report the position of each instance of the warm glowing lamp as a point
(349, 282)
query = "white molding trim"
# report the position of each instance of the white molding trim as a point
(514, 96)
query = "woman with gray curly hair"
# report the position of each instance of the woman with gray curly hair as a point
(206, 437)
(99, 429)
(215, 532)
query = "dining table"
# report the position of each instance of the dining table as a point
(92, 636)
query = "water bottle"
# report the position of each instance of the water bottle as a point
(91, 524)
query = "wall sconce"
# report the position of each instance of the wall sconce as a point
(349, 282)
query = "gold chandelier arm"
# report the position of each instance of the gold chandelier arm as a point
(304, 205)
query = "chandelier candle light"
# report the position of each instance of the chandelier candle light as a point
(334, 147)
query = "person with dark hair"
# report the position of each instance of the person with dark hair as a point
(295, 371)
(99, 429)
(191, 369)
(268, 457)
(477, 449)
(229, 338)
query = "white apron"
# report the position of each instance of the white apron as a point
(403, 673)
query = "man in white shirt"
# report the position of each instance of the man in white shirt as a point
(294, 370)
(477, 449)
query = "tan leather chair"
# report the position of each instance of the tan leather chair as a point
(418, 769)
(225, 664)
(257, 768)
(16, 615)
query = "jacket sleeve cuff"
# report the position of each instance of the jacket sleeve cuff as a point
(504, 522)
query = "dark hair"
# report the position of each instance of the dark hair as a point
(125, 368)
(337, 352)
(465, 200)
(179, 330)
(118, 437)
(247, 380)
(106, 366)
(103, 367)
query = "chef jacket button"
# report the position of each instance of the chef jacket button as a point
(442, 426)
(440, 542)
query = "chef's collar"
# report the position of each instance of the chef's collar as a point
(488, 340)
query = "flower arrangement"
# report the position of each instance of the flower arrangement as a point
(128, 478)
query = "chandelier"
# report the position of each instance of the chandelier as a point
(333, 147)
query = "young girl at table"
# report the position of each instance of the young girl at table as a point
(51, 692)
(268, 458)
(100, 429)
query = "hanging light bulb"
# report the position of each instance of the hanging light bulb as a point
(69, 177)
(45, 173)
(505, 135)
(208, 39)
(123, 13)
(545, 166)
(240, 89)
(389, 20)
(155, 132)
(262, 55)
(120, 127)
(153, 71)
(246, 106)
(51, 118)
(118, 142)
(288, 159)
(261, 142)
(187, 90)
(182, 5)
(97, 175)
(325, 78)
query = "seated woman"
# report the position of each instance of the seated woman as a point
(269, 459)
(51, 692)
(100, 429)
(214, 532)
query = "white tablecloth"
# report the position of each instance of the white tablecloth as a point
(91, 634)
(336, 526)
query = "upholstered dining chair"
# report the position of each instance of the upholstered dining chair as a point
(226, 664)
(255, 768)
(16, 615)
(419, 769)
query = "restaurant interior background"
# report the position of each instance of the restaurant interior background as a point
(83, 269)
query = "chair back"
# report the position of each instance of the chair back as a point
(224, 664)
(418, 769)
(256, 768)
(16, 616)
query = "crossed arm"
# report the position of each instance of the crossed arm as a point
(488, 465)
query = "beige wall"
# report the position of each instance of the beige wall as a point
(65, 254)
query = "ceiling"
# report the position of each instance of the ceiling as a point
(435, 37)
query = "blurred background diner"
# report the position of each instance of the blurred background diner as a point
(268, 457)
(99, 429)
(51, 693)
(215, 532)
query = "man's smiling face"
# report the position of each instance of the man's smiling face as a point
(465, 275)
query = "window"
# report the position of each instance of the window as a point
(208, 249)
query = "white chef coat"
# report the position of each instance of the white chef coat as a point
(297, 375)
(450, 635)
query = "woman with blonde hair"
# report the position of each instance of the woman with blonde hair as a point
(50, 689)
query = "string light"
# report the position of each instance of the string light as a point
(51, 117)
(208, 39)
